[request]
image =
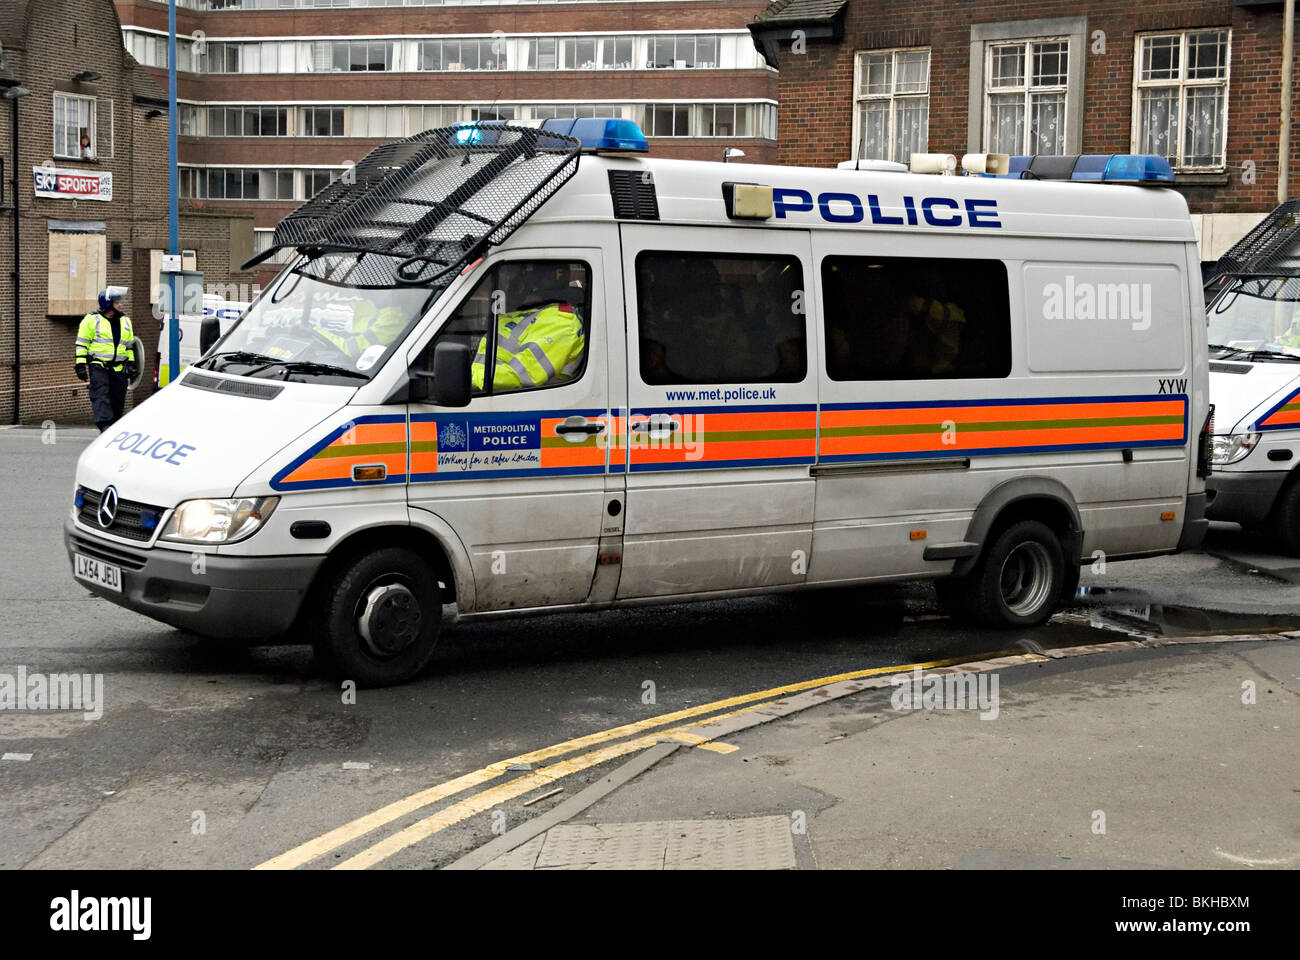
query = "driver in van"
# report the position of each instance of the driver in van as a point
(366, 326)
(542, 340)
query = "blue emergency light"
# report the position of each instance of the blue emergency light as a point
(594, 133)
(1093, 167)
(601, 133)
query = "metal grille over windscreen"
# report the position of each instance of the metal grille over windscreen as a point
(1271, 248)
(435, 200)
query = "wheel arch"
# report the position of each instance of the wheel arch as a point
(1025, 498)
(439, 547)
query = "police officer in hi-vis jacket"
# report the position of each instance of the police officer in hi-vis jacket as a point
(105, 357)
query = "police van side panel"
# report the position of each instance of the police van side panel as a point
(1084, 399)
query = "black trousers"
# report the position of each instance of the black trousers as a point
(107, 395)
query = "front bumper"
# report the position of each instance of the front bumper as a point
(227, 598)
(1243, 497)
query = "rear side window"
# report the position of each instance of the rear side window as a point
(720, 318)
(913, 318)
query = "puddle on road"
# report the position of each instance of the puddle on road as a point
(1128, 612)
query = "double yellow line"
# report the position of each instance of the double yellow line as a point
(491, 797)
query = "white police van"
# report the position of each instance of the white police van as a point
(219, 315)
(1254, 334)
(773, 378)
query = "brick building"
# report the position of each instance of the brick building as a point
(278, 96)
(94, 211)
(1199, 82)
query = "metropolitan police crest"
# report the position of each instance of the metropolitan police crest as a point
(451, 436)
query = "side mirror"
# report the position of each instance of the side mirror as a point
(209, 333)
(449, 383)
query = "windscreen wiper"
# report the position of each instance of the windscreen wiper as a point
(312, 366)
(1239, 354)
(235, 356)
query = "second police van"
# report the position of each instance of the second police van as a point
(742, 379)
(1253, 303)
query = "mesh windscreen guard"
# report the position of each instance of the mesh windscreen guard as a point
(1271, 247)
(435, 200)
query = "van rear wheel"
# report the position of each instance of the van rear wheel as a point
(1018, 581)
(381, 618)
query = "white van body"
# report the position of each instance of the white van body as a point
(226, 312)
(708, 489)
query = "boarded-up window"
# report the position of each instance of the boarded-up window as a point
(77, 266)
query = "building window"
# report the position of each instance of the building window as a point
(1180, 104)
(247, 121)
(705, 120)
(74, 126)
(463, 54)
(262, 242)
(236, 183)
(597, 53)
(314, 181)
(892, 119)
(683, 52)
(322, 122)
(221, 58)
(1025, 86)
(543, 54)
(667, 120)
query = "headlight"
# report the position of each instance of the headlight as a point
(218, 521)
(1231, 447)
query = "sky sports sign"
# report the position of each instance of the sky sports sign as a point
(72, 184)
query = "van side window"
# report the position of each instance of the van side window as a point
(913, 318)
(539, 339)
(720, 318)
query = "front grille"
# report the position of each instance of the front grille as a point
(127, 523)
(109, 553)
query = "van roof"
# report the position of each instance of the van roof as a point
(689, 192)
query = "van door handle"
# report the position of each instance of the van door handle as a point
(659, 426)
(579, 425)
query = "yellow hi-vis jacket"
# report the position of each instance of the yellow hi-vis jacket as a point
(95, 341)
(534, 348)
(369, 327)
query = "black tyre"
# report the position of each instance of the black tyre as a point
(1018, 581)
(1069, 580)
(1286, 519)
(380, 618)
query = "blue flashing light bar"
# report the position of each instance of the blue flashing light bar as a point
(594, 133)
(601, 133)
(1093, 168)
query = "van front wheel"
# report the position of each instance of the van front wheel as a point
(1018, 581)
(381, 619)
